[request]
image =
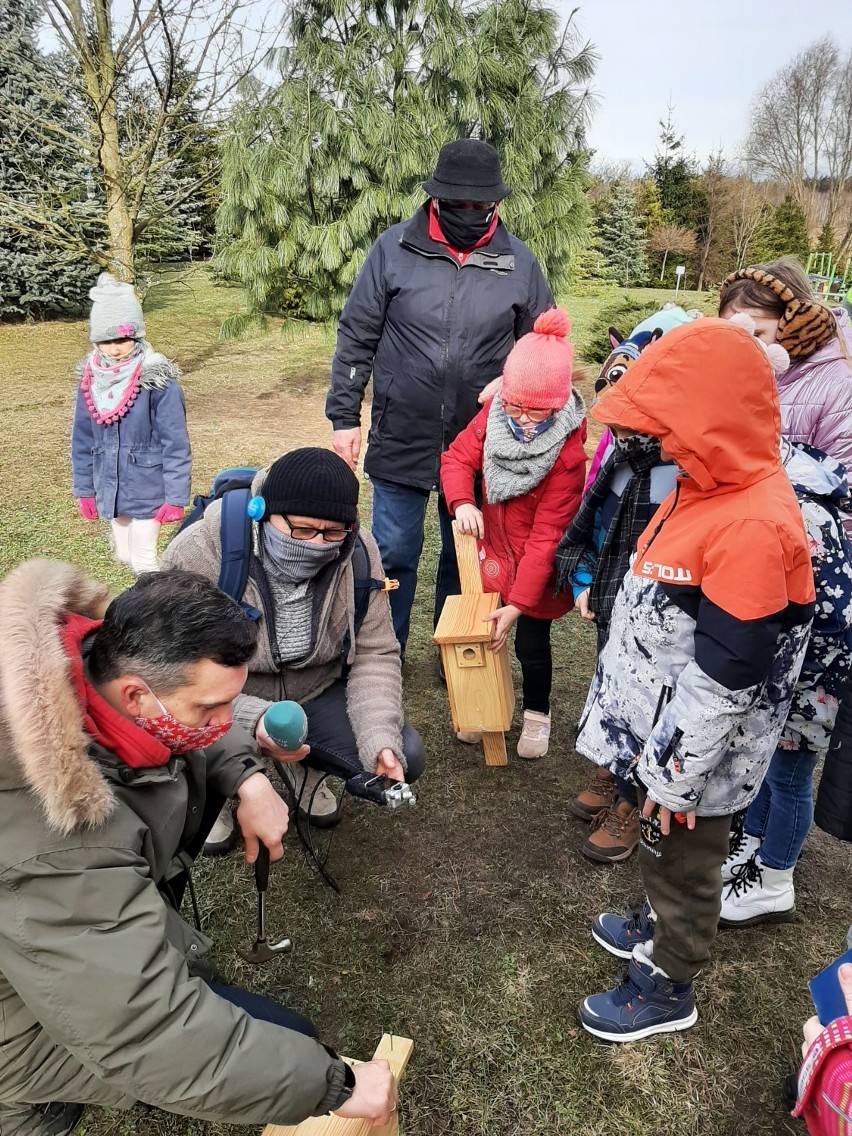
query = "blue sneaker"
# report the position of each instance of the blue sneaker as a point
(619, 936)
(645, 1003)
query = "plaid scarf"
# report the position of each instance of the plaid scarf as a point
(632, 514)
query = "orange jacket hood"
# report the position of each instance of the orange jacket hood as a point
(708, 392)
(733, 528)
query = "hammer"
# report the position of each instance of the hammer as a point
(263, 950)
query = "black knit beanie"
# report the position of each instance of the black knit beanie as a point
(312, 482)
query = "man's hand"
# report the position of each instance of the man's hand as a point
(581, 605)
(813, 1027)
(470, 521)
(268, 746)
(374, 1095)
(262, 817)
(504, 619)
(490, 390)
(347, 444)
(666, 815)
(389, 765)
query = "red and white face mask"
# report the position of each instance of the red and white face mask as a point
(175, 735)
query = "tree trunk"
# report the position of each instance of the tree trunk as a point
(663, 269)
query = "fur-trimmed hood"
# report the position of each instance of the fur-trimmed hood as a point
(43, 745)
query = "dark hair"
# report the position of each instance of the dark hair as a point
(166, 622)
(749, 294)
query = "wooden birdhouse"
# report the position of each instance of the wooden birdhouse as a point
(479, 680)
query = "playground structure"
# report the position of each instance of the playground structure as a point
(827, 280)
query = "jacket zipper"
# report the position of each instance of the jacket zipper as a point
(658, 529)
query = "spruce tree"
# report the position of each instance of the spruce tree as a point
(34, 280)
(622, 240)
(673, 172)
(315, 170)
(827, 241)
(788, 235)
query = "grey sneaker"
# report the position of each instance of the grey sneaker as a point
(39, 1119)
(315, 799)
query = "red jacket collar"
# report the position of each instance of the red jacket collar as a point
(103, 724)
(436, 234)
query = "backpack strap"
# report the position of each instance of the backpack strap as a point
(235, 537)
(364, 584)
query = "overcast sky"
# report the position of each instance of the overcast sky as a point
(709, 56)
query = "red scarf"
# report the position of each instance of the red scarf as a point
(104, 725)
(436, 234)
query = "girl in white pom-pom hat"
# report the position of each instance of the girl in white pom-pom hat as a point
(527, 443)
(130, 453)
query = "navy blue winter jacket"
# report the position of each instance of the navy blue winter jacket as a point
(133, 466)
(432, 334)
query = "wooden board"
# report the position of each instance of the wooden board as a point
(396, 1051)
(467, 556)
(461, 618)
(494, 748)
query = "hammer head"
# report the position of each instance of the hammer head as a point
(263, 951)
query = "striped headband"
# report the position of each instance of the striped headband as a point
(805, 326)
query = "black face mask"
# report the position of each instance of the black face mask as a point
(464, 227)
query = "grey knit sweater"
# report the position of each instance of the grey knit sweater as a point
(374, 684)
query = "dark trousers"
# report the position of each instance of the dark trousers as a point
(264, 1009)
(399, 516)
(332, 741)
(683, 881)
(532, 647)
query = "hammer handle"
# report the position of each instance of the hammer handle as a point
(261, 869)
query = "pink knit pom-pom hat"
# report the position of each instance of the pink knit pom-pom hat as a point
(537, 373)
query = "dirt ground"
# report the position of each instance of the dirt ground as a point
(464, 922)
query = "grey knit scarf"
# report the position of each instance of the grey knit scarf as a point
(512, 468)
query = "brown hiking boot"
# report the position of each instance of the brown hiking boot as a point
(598, 794)
(614, 835)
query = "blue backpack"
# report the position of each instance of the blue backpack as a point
(233, 488)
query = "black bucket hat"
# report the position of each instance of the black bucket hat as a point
(467, 170)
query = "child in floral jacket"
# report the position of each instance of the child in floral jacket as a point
(130, 453)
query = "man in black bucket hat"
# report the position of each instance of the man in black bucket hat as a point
(433, 313)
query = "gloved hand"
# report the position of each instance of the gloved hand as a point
(166, 514)
(88, 508)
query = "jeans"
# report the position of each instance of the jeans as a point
(264, 1009)
(332, 741)
(532, 646)
(399, 515)
(782, 813)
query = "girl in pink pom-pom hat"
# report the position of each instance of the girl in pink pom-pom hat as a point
(130, 454)
(527, 444)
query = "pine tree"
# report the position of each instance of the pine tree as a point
(673, 172)
(622, 240)
(34, 280)
(316, 170)
(788, 234)
(827, 241)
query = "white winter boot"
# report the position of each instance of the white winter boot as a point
(758, 894)
(743, 847)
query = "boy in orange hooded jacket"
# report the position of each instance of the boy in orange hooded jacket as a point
(706, 642)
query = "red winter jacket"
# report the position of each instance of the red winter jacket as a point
(516, 557)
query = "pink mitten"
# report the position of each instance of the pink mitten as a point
(169, 513)
(88, 508)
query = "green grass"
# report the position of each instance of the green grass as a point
(463, 923)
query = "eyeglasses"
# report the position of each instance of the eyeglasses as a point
(534, 415)
(302, 532)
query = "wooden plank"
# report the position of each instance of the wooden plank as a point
(494, 748)
(467, 556)
(396, 1051)
(462, 618)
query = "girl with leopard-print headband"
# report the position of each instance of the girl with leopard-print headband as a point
(816, 391)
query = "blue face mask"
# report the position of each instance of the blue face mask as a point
(527, 433)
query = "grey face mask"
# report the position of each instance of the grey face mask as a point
(295, 560)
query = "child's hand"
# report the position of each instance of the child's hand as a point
(88, 508)
(582, 605)
(490, 390)
(504, 619)
(167, 514)
(470, 521)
